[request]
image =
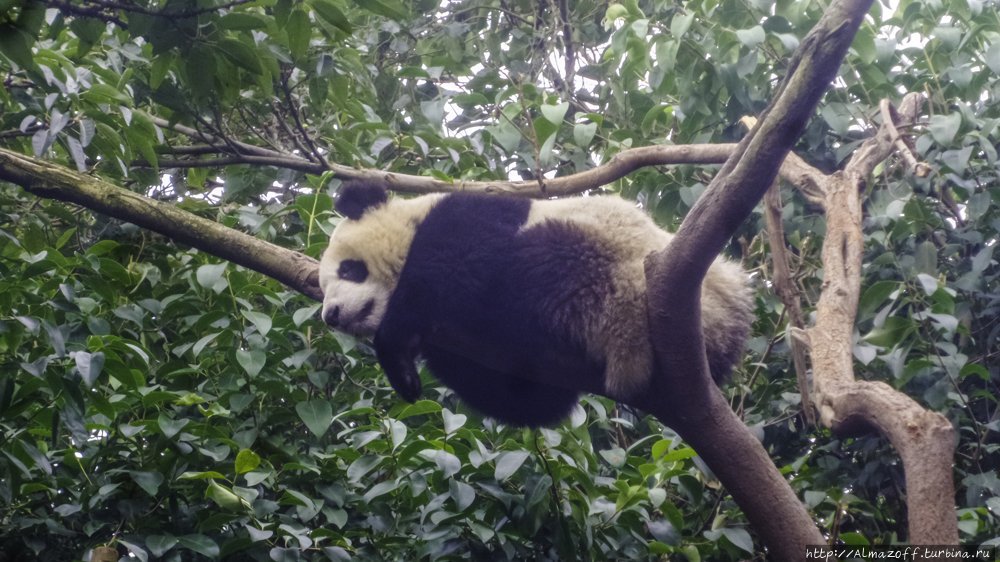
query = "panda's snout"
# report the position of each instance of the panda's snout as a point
(332, 316)
(345, 316)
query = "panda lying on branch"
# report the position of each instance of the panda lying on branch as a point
(535, 280)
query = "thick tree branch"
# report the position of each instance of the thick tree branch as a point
(53, 181)
(681, 393)
(925, 440)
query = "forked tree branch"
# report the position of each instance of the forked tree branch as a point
(924, 439)
(681, 394)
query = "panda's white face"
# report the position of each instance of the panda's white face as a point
(355, 279)
(360, 268)
(353, 302)
(362, 264)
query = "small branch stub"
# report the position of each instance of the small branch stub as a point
(104, 554)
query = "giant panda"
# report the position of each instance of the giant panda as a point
(533, 279)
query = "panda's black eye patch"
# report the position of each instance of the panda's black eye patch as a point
(354, 271)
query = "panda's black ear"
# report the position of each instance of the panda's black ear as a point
(356, 197)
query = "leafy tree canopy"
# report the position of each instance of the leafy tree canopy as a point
(175, 406)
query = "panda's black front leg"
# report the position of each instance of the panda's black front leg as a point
(397, 345)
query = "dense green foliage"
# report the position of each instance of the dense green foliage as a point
(181, 408)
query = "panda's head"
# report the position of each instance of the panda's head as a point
(360, 268)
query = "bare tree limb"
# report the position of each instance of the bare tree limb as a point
(616, 168)
(619, 166)
(925, 440)
(789, 295)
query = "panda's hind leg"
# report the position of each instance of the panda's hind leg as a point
(622, 332)
(499, 395)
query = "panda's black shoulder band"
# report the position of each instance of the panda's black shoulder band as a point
(356, 197)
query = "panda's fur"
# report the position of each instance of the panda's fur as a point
(532, 278)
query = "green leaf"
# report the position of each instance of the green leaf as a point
(739, 537)
(31, 18)
(814, 497)
(89, 365)
(223, 497)
(201, 544)
(447, 463)
(876, 295)
(329, 11)
(317, 414)
(944, 128)
(241, 54)
(15, 44)
(983, 259)
(201, 69)
(679, 454)
(419, 408)
(158, 545)
(507, 464)
(135, 550)
(613, 13)
(545, 152)
(252, 361)
(616, 457)
(751, 37)
(583, 133)
(992, 57)
(303, 314)
(206, 475)
(171, 427)
(680, 23)
(506, 134)
(257, 535)
(299, 30)
(461, 493)
(261, 321)
(246, 461)
(864, 44)
(657, 496)
(211, 277)
(243, 21)
(891, 333)
(433, 110)
(691, 553)
(555, 113)
(925, 258)
(854, 539)
(103, 93)
(380, 489)
(452, 422)
(255, 478)
(387, 8)
(148, 481)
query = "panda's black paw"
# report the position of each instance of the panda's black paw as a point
(404, 379)
(408, 390)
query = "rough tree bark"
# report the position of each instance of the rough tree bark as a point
(53, 181)
(925, 440)
(685, 398)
